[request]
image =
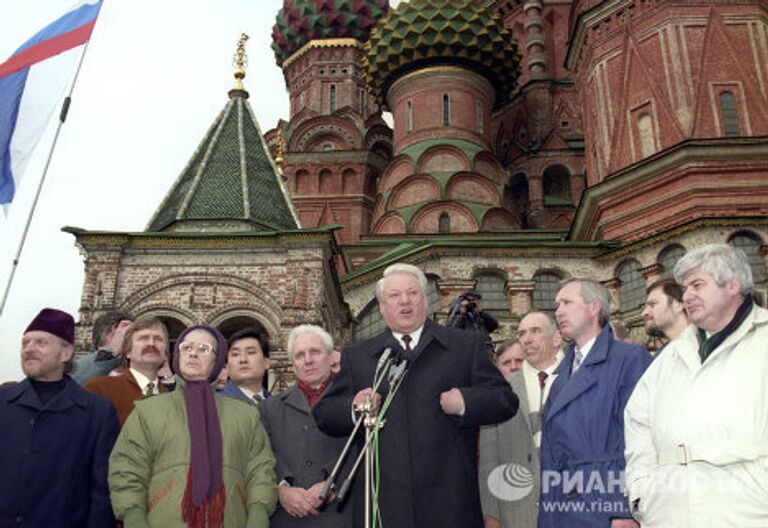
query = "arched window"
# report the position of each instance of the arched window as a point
(557, 186)
(446, 110)
(445, 223)
(545, 289)
(480, 117)
(370, 321)
(751, 245)
(730, 115)
(409, 116)
(332, 98)
(646, 134)
(494, 291)
(631, 285)
(668, 257)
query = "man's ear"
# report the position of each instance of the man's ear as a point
(733, 287)
(267, 363)
(557, 340)
(69, 352)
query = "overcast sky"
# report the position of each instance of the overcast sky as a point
(155, 76)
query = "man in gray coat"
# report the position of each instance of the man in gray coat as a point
(509, 471)
(305, 455)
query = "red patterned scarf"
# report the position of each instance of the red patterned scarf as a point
(314, 394)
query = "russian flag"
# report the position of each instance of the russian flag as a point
(33, 84)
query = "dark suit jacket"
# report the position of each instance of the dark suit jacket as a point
(509, 457)
(122, 391)
(428, 459)
(233, 391)
(305, 456)
(54, 457)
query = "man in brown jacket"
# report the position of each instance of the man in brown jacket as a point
(146, 349)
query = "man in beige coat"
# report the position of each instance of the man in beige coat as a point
(509, 472)
(697, 422)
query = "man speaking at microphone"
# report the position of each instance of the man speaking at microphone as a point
(427, 448)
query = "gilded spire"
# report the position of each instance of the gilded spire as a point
(240, 61)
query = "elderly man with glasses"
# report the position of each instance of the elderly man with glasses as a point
(193, 457)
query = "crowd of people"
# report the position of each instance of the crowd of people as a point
(574, 426)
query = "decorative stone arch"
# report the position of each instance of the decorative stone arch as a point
(271, 325)
(416, 189)
(377, 137)
(498, 219)
(302, 182)
(162, 311)
(389, 224)
(310, 133)
(349, 113)
(487, 165)
(302, 116)
(668, 257)
(427, 218)
(471, 187)
(399, 169)
(443, 158)
(142, 297)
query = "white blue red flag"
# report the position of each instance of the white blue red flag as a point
(33, 84)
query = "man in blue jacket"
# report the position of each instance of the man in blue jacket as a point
(56, 437)
(582, 449)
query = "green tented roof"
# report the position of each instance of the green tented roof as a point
(231, 177)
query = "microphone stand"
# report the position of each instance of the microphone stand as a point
(372, 421)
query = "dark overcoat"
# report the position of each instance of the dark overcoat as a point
(428, 459)
(305, 456)
(582, 442)
(53, 458)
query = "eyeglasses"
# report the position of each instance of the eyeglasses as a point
(201, 349)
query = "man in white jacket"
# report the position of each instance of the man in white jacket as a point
(697, 422)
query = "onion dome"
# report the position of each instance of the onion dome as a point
(300, 21)
(425, 32)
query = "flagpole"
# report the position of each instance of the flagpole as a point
(62, 119)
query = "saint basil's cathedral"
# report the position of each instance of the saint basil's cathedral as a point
(501, 146)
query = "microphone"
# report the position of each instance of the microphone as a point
(384, 357)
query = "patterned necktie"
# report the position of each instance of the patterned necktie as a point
(577, 359)
(149, 390)
(542, 379)
(258, 397)
(407, 340)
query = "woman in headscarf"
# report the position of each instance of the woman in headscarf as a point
(193, 458)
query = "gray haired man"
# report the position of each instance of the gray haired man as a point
(697, 422)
